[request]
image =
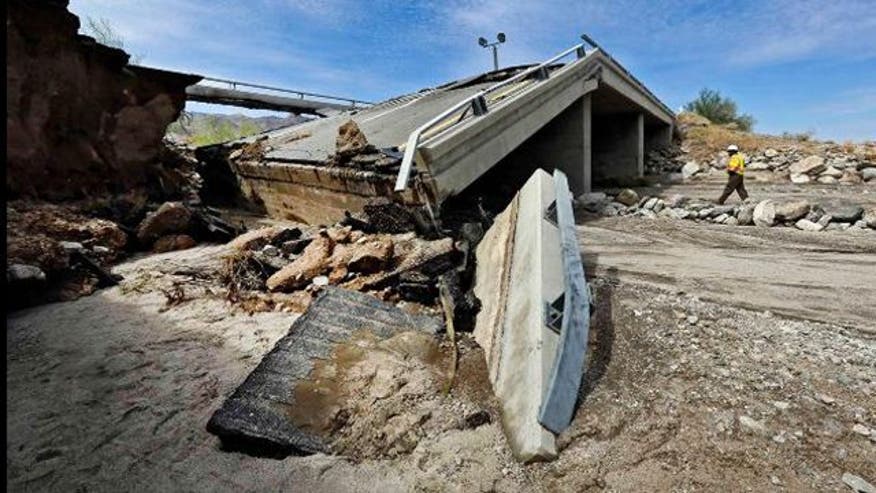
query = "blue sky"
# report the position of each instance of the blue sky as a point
(796, 65)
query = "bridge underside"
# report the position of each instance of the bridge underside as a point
(601, 138)
(595, 123)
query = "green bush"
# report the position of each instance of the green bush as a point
(215, 130)
(719, 109)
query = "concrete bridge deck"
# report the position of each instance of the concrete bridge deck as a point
(589, 118)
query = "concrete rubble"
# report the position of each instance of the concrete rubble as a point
(276, 411)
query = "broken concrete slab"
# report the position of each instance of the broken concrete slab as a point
(521, 281)
(256, 418)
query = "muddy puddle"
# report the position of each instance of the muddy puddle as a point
(376, 397)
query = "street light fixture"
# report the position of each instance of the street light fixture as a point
(485, 44)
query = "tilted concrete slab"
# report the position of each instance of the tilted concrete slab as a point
(534, 316)
(520, 352)
(459, 156)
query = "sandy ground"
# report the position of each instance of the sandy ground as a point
(722, 359)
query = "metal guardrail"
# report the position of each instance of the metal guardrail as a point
(573, 313)
(478, 104)
(301, 94)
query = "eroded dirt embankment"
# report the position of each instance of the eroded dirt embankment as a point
(79, 119)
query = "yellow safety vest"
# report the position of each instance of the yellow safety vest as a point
(736, 164)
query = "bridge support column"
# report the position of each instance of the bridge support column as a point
(565, 144)
(640, 144)
(587, 182)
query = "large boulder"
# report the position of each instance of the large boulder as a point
(746, 214)
(627, 197)
(831, 171)
(170, 218)
(593, 201)
(868, 174)
(765, 214)
(351, 140)
(314, 261)
(809, 166)
(870, 217)
(791, 210)
(844, 213)
(690, 168)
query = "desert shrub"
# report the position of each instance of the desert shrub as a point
(719, 109)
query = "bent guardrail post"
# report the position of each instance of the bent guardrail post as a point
(572, 311)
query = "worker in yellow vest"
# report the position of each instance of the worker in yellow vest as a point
(735, 170)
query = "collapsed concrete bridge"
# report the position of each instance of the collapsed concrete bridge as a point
(588, 117)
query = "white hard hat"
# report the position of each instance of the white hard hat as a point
(732, 147)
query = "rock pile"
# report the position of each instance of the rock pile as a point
(666, 160)
(767, 213)
(831, 164)
(393, 266)
(60, 252)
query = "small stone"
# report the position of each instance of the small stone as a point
(800, 179)
(824, 220)
(752, 425)
(72, 246)
(775, 480)
(807, 225)
(693, 319)
(825, 399)
(321, 281)
(24, 273)
(169, 243)
(858, 484)
(101, 250)
(861, 430)
(781, 405)
(271, 250)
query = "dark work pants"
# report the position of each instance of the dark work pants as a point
(734, 182)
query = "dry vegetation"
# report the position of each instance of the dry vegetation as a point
(703, 140)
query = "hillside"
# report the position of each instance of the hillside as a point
(199, 129)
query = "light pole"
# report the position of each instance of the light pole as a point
(500, 39)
